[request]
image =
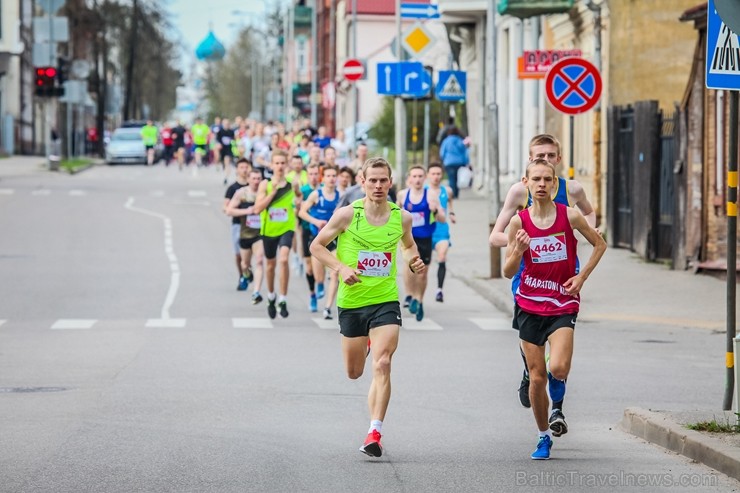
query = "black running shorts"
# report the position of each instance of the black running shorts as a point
(331, 246)
(424, 245)
(246, 243)
(272, 243)
(536, 329)
(357, 322)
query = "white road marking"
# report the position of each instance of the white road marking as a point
(410, 323)
(41, 191)
(73, 323)
(499, 324)
(196, 193)
(326, 324)
(2, 322)
(252, 323)
(6, 191)
(77, 193)
(169, 251)
(166, 323)
(157, 193)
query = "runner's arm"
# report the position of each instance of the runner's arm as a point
(515, 248)
(578, 221)
(264, 198)
(576, 191)
(409, 250)
(233, 209)
(401, 197)
(339, 221)
(439, 212)
(514, 199)
(450, 209)
(306, 205)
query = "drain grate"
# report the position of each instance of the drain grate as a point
(29, 390)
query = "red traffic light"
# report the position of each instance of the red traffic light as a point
(50, 72)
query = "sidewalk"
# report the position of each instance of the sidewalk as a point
(22, 165)
(623, 288)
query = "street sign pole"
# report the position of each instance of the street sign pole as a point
(314, 63)
(571, 165)
(400, 120)
(732, 180)
(353, 144)
(426, 132)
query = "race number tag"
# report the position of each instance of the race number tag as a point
(374, 264)
(548, 249)
(417, 219)
(254, 221)
(278, 214)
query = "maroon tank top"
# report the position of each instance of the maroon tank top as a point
(548, 263)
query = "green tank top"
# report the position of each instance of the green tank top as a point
(279, 217)
(149, 135)
(200, 134)
(372, 251)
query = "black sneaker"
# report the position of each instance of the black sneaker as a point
(256, 299)
(407, 301)
(557, 423)
(271, 310)
(524, 391)
(440, 297)
(283, 309)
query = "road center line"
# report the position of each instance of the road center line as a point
(169, 251)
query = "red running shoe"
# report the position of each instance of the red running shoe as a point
(372, 445)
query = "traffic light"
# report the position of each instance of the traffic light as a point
(62, 70)
(46, 81)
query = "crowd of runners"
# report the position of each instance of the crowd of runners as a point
(302, 195)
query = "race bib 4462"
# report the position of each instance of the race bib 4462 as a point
(548, 249)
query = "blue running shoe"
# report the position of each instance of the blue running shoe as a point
(312, 304)
(407, 301)
(320, 290)
(542, 452)
(243, 284)
(420, 312)
(414, 305)
(557, 388)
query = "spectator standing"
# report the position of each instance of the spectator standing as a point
(454, 155)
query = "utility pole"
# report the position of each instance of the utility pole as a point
(400, 120)
(314, 64)
(353, 144)
(596, 10)
(494, 190)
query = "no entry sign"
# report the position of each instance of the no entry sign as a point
(573, 85)
(353, 69)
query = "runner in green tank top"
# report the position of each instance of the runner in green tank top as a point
(276, 201)
(200, 132)
(368, 232)
(150, 135)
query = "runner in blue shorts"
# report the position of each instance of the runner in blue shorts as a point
(441, 236)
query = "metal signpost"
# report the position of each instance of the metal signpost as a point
(573, 86)
(723, 72)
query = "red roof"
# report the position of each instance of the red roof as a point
(379, 7)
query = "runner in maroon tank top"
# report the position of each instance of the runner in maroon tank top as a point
(547, 300)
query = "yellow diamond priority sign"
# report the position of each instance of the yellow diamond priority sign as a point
(417, 40)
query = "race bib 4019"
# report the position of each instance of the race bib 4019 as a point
(374, 264)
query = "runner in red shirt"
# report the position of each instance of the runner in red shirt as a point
(168, 144)
(547, 300)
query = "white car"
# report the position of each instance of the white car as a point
(125, 146)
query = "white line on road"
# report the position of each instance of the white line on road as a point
(6, 191)
(169, 250)
(177, 323)
(252, 323)
(157, 193)
(326, 324)
(500, 324)
(426, 324)
(2, 322)
(196, 193)
(77, 193)
(73, 323)
(41, 191)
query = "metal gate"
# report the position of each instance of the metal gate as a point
(622, 176)
(666, 203)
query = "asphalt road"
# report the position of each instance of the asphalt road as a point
(129, 362)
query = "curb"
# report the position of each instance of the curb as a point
(657, 428)
(84, 168)
(503, 302)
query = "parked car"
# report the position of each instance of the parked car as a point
(125, 146)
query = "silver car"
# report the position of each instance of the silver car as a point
(125, 146)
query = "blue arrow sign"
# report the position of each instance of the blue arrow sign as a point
(419, 11)
(451, 85)
(723, 53)
(397, 78)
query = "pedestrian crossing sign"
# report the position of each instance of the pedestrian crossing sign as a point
(451, 85)
(723, 53)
